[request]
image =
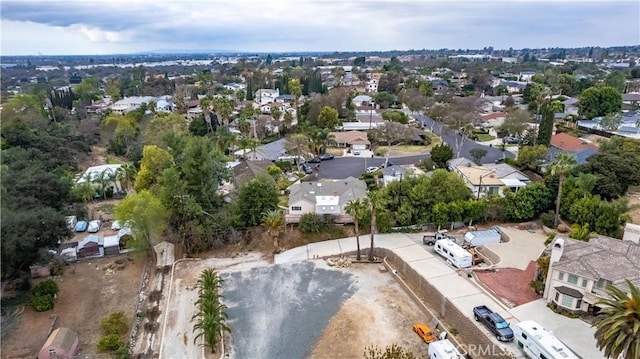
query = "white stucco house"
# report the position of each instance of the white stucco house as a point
(265, 96)
(579, 271)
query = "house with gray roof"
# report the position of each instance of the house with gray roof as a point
(325, 197)
(579, 272)
(270, 151)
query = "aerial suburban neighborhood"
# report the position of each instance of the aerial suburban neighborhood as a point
(378, 204)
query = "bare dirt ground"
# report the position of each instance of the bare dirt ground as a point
(380, 313)
(85, 297)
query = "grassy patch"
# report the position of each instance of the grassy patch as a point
(336, 151)
(484, 137)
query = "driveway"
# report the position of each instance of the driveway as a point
(575, 333)
(449, 137)
(522, 248)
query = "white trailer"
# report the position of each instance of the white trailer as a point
(453, 253)
(482, 238)
(443, 349)
(537, 342)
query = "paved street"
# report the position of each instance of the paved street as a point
(493, 154)
(343, 167)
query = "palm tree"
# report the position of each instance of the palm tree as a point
(126, 174)
(375, 200)
(619, 332)
(561, 166)
(211, 315)
(244, 127)
(274, 220)
(205, 105)
(357, 209)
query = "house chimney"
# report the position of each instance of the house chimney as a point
(557, 247)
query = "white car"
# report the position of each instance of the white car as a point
(116, 226)
(94, 226)
(372, 169)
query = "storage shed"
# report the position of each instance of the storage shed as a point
(61, 344)
(69, 254)
(111, 245)
(90, 246)
(482, 238)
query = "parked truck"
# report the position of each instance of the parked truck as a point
(494, 322)
(431, 238)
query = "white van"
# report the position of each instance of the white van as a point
(453, 253)
(443, 349)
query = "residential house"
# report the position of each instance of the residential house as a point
(394, 173)
(356, 140)
(324, 198)
(282, 106)
(630, 126)
(362, 101)
(235, 87)
(91, 246)
(62, 343)
(526, 76)
(489, 179)
(513, 86)
(245, 171)
(129, 104)
(194, 112)
(101, 175)
(579, 272)
(571, 106)
(564, 142)
(440, 85)
(286, 98)
(270, 151)
(265, 96)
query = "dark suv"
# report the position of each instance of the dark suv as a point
(307, 168)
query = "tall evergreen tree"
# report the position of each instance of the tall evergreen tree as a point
(546, 126)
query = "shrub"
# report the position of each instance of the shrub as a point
(312, 223)
(115, 323)
(43, 294)
(110, 343)
(548, 219)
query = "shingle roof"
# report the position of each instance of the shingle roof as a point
(247, 170)
(347, 189)
(602, 257)
(62, 338)
(350, 137)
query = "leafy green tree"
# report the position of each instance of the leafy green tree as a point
(43, 295)
(616, 80)
(441, 154)
(328, 118)
(477, 154)
(530, 156)
(561, 166)
(203, 169)
(616, 171)
(619, 332)
(255, 198)
(163, 125)
(148, 218)
(112, 88)
(515, 123)
(527, 203)
(357, 208)
(599, 101)
(611, 121)
(115, 323)
(396, 116)
(385, 99)
(87, 90)
(154, 161)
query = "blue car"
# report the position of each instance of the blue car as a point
(81, 226)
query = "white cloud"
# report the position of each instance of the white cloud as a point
(288, 25)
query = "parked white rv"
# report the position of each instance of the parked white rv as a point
(482, 238)
(537, 342)
(443, 349)
(453, 253)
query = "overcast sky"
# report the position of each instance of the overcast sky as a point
(74, 27)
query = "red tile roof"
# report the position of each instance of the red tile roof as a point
(493, 116)
(568, 143)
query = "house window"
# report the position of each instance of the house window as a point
(560, 276)
(557, 297)
(573, 279)
(578, 303)
(52, 352)
(567, 301)
(296, 208)
(584, 283)
(602, 283)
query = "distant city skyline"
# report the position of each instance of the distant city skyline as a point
(76, 27)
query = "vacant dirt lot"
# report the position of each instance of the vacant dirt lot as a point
(634, 203)
(97, 289)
